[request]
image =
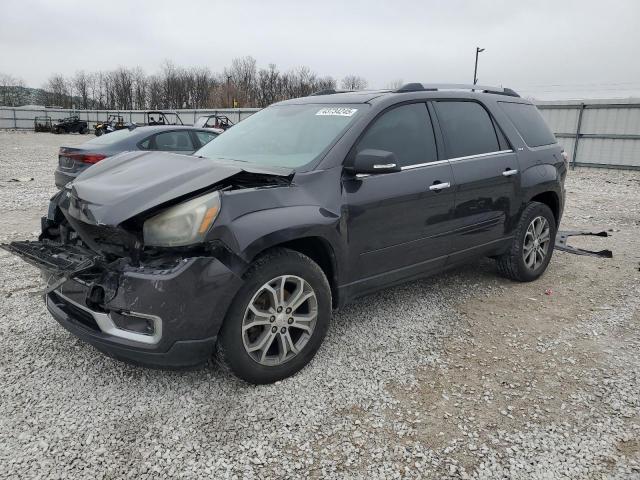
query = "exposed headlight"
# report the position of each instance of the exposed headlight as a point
(183, 224)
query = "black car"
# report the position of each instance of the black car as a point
(71, 124)
(74, 160)
(306, 205)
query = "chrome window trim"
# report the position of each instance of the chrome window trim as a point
(440, 162)
(107, 325)
(418, 165)
(480, 155)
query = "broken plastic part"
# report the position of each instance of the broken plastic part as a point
(563, 236)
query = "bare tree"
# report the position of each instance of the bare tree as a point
(154, 92)
(58, 89)
(12, 91)
(242, 84)
(353, 82)
(243, 76)
(81, 86)
(394, 84)
(140, 83)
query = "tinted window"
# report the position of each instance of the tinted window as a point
(529, 123)
(405, 131)
(205, 137)
(467, 128)
(178, 141)
(502, 140)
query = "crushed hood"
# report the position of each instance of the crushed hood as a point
(121, 187)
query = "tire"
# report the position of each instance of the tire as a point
(236, 338)
(84, 130)
(98, 132)
(517, 263)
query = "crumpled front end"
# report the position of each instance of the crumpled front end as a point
(159, 307)
(161, 301)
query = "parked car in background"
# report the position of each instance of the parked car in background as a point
(71, 124)
(168, 138)
(113, 123)
(216, 122)
(245, 249)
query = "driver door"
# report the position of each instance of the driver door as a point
(397, 222)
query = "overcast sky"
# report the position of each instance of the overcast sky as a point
(544, 49)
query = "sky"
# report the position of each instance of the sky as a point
(543, 49)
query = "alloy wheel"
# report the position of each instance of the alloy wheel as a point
(279, 320)
(536, 243)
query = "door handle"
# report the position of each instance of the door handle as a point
(436, 187)
(508, 172)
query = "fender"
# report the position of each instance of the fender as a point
(541, 178)
(251, 234)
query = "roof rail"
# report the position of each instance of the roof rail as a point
(329, 91)
(434, 87)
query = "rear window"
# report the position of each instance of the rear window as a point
(467, 127)
(110, 138)
(529, 123)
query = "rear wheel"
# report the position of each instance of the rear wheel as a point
(278, 319)
(532, 245)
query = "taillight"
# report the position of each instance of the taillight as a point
(83, 157)
(88, 157)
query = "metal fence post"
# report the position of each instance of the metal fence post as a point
(577, 140)
(15, 122)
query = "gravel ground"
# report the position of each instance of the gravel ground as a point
(465, 375)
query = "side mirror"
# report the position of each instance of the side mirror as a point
(374, 161)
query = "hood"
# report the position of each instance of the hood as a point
(123, 186)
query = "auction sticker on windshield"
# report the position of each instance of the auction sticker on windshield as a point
(337, 111)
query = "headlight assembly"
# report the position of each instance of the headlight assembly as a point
(183, 224)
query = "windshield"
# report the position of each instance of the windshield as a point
(283, 135)
(109, 138)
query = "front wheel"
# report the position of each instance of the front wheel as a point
(278, 319)
(532, 245)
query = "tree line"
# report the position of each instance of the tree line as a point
(242, 84)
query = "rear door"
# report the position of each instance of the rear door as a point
(485, 169)
(396, 222)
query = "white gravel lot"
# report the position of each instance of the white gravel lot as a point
(465, 375)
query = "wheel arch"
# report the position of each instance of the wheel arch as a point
(319, 250)
(551, 200)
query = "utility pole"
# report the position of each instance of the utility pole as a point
(228, 92)
(475, 70)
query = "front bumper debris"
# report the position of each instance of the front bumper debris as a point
(162, 316)
(563, 236)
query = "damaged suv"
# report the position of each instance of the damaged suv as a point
(243, 250)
